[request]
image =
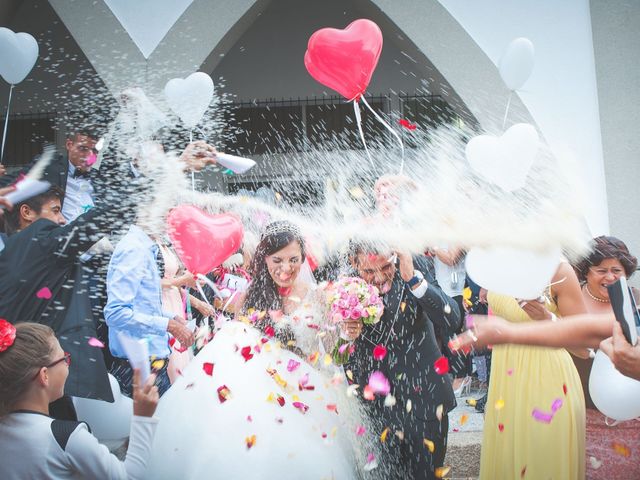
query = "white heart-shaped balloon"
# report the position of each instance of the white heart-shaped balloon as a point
(517, 62)
(18, 55)
(506, 160)
(190, 97)
(511, 271)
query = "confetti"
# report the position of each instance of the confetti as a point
(407, 124)
(371, 463)
(595, 463)
(383, 435)
(408, 406)
(441, 366)
(94, 342)
(389, 401)
(403, 305)
(301, 407)
(499, 405)
(429, 444)
(327, 359)
(447, 309)
(249, 418)
(379, 352)
(352, 390)
(400, 434)
(246, 353)
(501, 427)
(157, 364)
(442, 471)
(379, 383)
(523, 471)
(349, 375)
(439, 412)
(313, 358)
(250, 441)
(208, 368)
(463, 419)
(269, 331)
(621, 449)
(44, 293)
(510, 371)
(368, 393)
(280, 400)
(472, 402)
(292, 365)
(360, 430)
(224, 393)
(332, 407)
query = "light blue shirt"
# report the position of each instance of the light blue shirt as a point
(134, 295)
(78, 196)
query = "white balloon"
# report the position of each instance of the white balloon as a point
(616, 395)
(110, 422)
(190, 97)
(517, 62)
(18, 55)
(505, 161)
(511, 271)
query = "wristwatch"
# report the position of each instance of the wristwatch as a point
(416, 279)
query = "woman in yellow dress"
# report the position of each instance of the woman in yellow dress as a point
(535, 415)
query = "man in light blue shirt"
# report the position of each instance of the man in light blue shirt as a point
(134, 308)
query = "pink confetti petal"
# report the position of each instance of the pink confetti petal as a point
(94, 342)
(555, 406)
(541, 416)
(292, 365)
(301, 406)
(44, 293)
(343, 348)
(379, 383)
(360, 430)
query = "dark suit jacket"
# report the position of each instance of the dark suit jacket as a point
(406, 330)
(47, 255)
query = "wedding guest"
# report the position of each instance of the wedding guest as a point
(134, 308)
(414, 303)
(525, 379)
(33, 371)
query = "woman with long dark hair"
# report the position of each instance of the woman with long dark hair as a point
(263, 383)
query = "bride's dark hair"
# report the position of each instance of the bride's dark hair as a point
(262, 294)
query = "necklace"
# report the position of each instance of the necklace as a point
(593, 297)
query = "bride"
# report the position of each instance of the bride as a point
(262, 399)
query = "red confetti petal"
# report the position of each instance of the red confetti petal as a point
(281, 400)
(224, 393)
(44, 293)
(246, 353)
(407, 124)
(501, 427)
(441, 365)
(332, 407)
(564, 388)
(94, 342)
(269, 331)
(208, 368)
(379, 352)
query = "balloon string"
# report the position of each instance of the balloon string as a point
(356, 109)
(506, 112)
(193, 174)
(6, 124)
(388, 127)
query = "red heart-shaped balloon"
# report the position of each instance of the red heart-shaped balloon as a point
(344, 60)
(203, 241)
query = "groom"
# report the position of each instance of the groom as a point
(414, 303)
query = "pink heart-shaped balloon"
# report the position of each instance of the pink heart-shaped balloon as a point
(203, 241)
(344, 60)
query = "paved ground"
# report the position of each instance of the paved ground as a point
(465, 438)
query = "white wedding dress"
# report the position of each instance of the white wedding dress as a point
(284, 418)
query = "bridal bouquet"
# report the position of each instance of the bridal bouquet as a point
(353, 298)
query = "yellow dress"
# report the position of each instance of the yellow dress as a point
(516, 442)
